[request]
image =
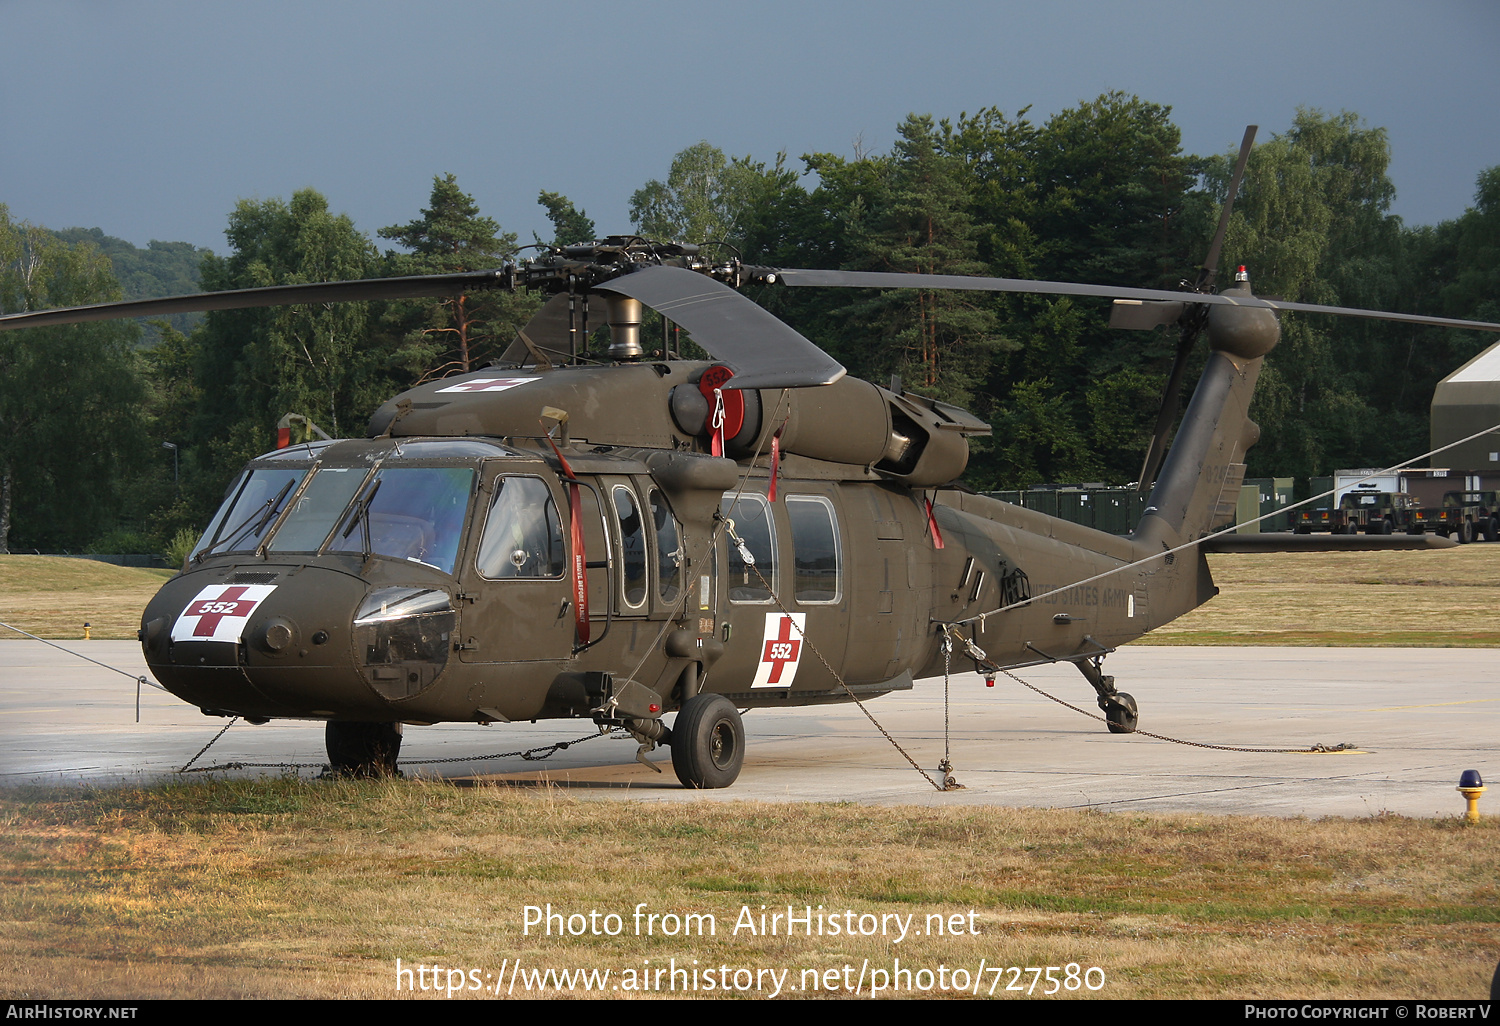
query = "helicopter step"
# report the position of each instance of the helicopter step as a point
(633, 706)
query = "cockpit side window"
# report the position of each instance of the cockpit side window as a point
(523, 534)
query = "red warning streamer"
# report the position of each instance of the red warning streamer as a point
(580, 566)
(716, 446)
(937, 536)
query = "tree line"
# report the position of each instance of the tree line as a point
(1100, 192)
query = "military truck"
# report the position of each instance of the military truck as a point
(1466, 515)
(1371, 512)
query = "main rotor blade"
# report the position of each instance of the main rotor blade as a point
(422, 286)
(1379, 315)
(1210, 268)
(801, 277)
(763, 351)
(688, 290)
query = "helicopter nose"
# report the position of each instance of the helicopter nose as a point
(268, 642)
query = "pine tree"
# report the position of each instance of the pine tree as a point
(939, 341)
(1313, 225)
(569, 224)
(456, 335)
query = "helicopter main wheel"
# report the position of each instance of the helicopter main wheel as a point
(708, 742)
(1120, 713)
(363, 750)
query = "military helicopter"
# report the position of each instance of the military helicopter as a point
(621, 535)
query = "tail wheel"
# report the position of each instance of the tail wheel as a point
(363, 750)
(708, 742)
(1121, 714)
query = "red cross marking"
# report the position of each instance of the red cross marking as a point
(781, 650)
(211, 611)
(485, 385)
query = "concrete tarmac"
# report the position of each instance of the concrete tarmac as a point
(1418, 716)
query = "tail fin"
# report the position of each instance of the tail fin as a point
(1199, 485)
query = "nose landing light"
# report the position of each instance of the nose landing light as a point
(403, 636)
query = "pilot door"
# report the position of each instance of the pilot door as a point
(515, 601)
(786, 605)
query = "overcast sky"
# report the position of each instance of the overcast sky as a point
(151, 119)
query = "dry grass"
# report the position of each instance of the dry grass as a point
(305, 889)
(1441, 598)
(53, 597)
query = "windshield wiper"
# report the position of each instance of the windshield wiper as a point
(362, 515)
(262, 516)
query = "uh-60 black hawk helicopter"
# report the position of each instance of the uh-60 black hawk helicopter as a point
(622, 535)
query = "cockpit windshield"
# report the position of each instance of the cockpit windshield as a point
(400, 511)
(414, 513)
(318, 507)
(242, 521)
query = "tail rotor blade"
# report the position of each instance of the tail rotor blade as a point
(1143, 315)
(1210, 268)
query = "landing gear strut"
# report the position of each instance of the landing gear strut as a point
(363, 750)
(1118, 707)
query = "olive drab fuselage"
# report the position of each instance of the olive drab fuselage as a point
(428, 573)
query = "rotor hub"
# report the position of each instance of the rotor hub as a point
(1247, 332)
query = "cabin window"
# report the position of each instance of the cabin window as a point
(668, 548)
(815, 549)
(632, 546)
(751, 515)
(523, 534)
